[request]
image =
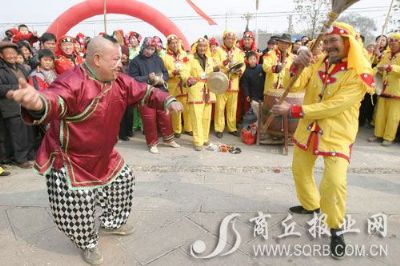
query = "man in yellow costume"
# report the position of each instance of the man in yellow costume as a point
(175, 60)
(228, 55)
(200, 99)
(334, 86)
(276, 64)
(388, 109)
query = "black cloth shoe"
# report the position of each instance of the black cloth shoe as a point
(219, 135)
(177, 135)
(124, 138)
(190, 133)
(338, 246)
(235, 133)
(301, 210)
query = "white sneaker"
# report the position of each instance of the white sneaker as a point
(154, 149)
(92, 256)
(172, 144)
(123, 230)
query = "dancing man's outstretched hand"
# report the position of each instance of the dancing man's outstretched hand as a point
(27, 96)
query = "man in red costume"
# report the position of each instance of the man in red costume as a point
(85, 106)
(67, 56)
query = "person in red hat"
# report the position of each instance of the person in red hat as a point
(80, 44)
(67, 57)
(248, 45)
(23, 34)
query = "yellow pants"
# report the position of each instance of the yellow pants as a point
(200, 115)
(387, 118)
(331, 197)
(227, 100)
(177, 117)
(1, 170)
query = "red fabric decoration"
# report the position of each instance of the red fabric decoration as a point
(201, 13)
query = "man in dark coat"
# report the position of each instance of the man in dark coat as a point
(17, 137)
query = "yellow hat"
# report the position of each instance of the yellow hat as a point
(194, 46)
(356, 58)
(229, 33)
(395, 35)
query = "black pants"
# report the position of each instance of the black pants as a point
(18, 140)
(367, 109)
(126, 125)
(2, 139)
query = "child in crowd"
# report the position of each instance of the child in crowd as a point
(252, 82)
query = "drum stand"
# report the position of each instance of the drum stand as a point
(285, 133)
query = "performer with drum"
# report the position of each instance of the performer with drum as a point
(276, 65)
(334, 87)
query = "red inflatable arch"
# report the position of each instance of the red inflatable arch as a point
(90, 8)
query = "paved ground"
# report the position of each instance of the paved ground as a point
(182, 196)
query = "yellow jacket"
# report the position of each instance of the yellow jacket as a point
(198, 93)
(391, 75)
(277, 80)
(221, 56)
(174, 65)
(331, 124)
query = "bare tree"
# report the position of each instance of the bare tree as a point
(364, 25)
(311, 14)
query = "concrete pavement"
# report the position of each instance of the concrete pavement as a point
(182, 196)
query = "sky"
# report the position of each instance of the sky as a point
(273, 16)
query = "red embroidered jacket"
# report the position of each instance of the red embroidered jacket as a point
(85, 117)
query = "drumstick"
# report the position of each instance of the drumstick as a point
(383, 30)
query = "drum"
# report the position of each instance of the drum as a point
(276, 127)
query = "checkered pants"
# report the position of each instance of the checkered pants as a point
(74, 210)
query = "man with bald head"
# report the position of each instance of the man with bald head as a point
(84, 107)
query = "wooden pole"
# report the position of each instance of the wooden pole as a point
(387, 17)
(105, 16)
(377, 45)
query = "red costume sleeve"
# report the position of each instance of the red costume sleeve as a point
(296, 111)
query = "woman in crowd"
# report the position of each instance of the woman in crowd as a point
(149, 67)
